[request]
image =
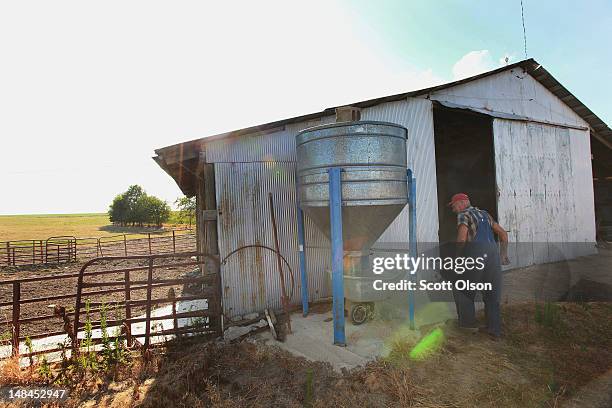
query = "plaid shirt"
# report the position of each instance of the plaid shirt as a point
(469, 220)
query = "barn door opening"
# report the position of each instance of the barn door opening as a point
(464, 163)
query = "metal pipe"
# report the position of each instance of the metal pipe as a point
(412, 244)
(302, 256)
(284, 300)
(335, 215)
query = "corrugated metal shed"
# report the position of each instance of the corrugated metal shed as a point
(539, 141)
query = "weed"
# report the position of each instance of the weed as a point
(199, 323)
(67, 365)
(88, 359)
(113, 352)
(106, 342)
(30, 347)
(309, 391)
(44, 369)
(547, 315)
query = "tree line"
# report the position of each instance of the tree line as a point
(136, 208)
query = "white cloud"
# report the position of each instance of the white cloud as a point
(477, 62)
(473, 63)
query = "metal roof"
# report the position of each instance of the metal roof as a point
(180, 160)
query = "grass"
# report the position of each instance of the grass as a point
(538, 361)
(43, 226)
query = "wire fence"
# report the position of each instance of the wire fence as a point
(62, 249)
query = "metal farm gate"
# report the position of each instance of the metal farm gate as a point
(141, 300)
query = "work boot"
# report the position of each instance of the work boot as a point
(485, 330)
(468, 329)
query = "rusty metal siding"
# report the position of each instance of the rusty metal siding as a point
(250, 280)
(277, 146)
(246, 168)
(416, 115)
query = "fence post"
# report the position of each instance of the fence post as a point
(128, 309)
(33, 252)
(125, 244)
(14, 261)
(172, 296)
(42, 256)
(148, 316)
(16, 313)
(150, 244)
(173, 243)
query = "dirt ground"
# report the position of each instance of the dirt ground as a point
(534, 365)
(552, 354)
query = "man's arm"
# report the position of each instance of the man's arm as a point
(462, 234)
(462, 237)
(503, 243)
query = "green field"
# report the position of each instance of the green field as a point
(43, 226)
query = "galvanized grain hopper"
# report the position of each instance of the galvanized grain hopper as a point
(369, 161)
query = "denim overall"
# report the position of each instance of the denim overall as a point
(482, 245)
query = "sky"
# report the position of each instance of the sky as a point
(88, 90)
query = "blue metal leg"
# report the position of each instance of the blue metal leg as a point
(412, 238)
(302, 253)
(335, 213)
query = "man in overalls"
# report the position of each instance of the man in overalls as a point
(475, 229)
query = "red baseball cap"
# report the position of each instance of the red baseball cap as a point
(458, 197)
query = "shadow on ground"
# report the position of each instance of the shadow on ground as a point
(117, 229)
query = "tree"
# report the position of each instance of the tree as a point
(187, 208)
(136, 212)
(156, 211)
(135, 207)
(118, 210)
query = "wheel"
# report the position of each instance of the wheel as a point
(359, 313)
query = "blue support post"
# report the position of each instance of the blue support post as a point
(335, 215)
(302, 253)
(412, 238)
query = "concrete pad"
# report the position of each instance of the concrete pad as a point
(313, 336)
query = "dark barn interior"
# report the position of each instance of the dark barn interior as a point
(464, 163)
(602, 187)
